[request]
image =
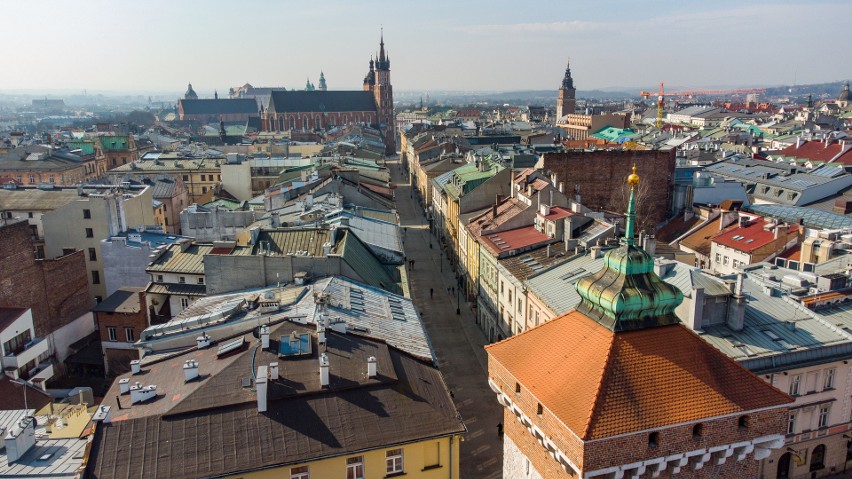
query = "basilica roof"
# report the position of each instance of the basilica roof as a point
(321, 101)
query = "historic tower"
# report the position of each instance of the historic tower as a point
(378, 81)
(565, 101)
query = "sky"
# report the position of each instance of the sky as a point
(486, 45)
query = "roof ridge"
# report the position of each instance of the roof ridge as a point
(598, 392)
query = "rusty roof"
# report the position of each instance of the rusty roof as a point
(701, 240)
(506, 241)
(601, 384)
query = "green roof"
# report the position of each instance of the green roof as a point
(87, 146)
(465, 178)
(614, 135)
(359, 257)
(114, 143)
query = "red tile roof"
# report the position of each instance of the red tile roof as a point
(845, 158)
(506, 210)
(751, 237)
(793, 254)
(557, 212)
(601, 384)
(505, 241)
(813, 150)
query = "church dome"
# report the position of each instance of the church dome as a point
(190, 93)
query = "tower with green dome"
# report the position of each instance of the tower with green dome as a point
(626, 294)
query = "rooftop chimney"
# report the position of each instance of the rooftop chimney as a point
(324, 370)
(190, 370)
(264, 337)
(273, 371)
(260, 385)
(135, 366)
(596, 251)
(124, 385)
(371, 367)
(202, 341)
(102, 415)
(142, 394)
(20, 439)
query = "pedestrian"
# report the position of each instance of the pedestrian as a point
(499, 429)
(412, 264)
(431, 293)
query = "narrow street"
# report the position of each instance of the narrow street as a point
(457, 340)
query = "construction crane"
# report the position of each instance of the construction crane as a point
(662, 94)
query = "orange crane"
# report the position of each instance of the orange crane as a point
(661, 96)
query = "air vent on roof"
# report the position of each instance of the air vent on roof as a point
(231, 346)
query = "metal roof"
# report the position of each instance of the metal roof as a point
(173, 260)
(813, 218)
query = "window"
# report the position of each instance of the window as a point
(393, 461)
(725, 260)
(818, 458)
(96, 277)
(539, 410)
(30, 214)
(185, 177)
(200, 280)
(300, 472)
(128, 333)
(113, 335)
(829, 379)
(791, 423)
(653, 439)
(203, 189)
(98, 299)
(203, 177)
(718, 258)
(32, 179)
(823, 416)
(17, 344)
(159, 278)
(90, 233)
(52, 179)
(517, 389)
(536, 318)
(184, 303)
(743, 422)
(355, 467)
(697, 430)
(182, 280)
(795, 382)
(218, 177)
(93, 254)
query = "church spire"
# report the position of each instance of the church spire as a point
(626, 293)
(382, 46)
(567, 81)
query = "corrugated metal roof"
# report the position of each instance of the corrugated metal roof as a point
(359, 257)
(173, 260)
(178, 289)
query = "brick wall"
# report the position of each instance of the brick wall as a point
(55, 289)
(631, 448)
(601, 177)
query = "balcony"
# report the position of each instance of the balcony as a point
(31, 351)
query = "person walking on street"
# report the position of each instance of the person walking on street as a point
(431, 293)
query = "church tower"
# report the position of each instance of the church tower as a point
(566, 101)
(322, 85)
(383, 94)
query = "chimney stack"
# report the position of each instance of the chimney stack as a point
(124, 385)
(102, 415)
(135, 366)
(324, 365)
(321, 325)
(202, 341)
(190, 370)
(20, 439)
(264, 337)
(142, 394)
(260, 386)
(273, 371)
(371, 367)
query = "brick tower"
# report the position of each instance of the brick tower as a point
(619, 388)
(566, 101)
(378, 82)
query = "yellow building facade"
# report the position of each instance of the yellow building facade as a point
(429, 459)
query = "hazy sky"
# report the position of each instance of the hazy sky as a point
(152, 45)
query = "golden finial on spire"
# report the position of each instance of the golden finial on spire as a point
(633, 179)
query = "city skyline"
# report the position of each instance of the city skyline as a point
(161, 46)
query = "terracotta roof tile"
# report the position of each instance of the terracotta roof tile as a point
(701, 240)
(749, 238)
(813, 150)
(505, 241)
(601, 384)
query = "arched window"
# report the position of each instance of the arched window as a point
(783, 471)
(743, 422)
(653, 439)
(280, 123)
(304, 123)
(697, 430)
(292, 123)
(818, 458)
(318, 123)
